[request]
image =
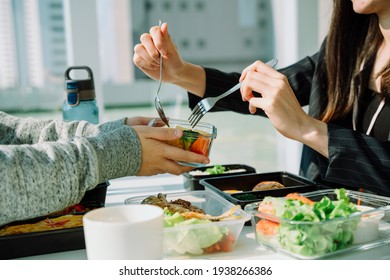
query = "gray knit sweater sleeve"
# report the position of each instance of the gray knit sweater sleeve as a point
(46, 166)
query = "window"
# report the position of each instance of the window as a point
(225, 34)
(34, 55)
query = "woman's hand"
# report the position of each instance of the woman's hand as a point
(159, 157)
(147, 54)
(146, 57)
(281, 106)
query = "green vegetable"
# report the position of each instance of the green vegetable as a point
(188, 138)
(191, 241)
(171, 219)
(216, 169)
(316, 234)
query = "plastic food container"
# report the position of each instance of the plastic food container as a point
(203, 238)
(59, 240)
(198, 140)
(369, 228)
(97, 195)
(238, 188)
(192, 178)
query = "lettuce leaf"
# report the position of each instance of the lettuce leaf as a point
(191, 241)
(322, 236)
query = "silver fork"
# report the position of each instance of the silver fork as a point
(206, 104)
(157, 102)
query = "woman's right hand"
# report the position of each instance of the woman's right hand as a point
(147, 54)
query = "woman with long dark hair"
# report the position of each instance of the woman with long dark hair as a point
(346, 85)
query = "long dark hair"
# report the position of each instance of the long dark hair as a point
(352, 40)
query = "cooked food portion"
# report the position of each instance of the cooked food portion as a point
(268, 185)
(178, 205)
(74, 209)
(66, 221)
(187, 210)
(67, 218)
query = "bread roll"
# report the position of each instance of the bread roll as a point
(267, 185)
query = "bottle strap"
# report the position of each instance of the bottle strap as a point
(86, 94)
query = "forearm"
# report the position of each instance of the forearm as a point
(14, 130)
(43, 178)
(46, 177)
(314, 134)
(192, 78)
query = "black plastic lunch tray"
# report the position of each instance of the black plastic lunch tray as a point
(46, 242)
(192, 182)
(244, 184)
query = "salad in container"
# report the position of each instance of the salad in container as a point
(197, 140)
(322, 223)
(197, 222)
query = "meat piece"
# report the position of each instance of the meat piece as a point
(186, 204)
(178, 205)
(160, 200)
(267, 185)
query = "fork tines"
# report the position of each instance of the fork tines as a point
(206, 104)
(197, 113)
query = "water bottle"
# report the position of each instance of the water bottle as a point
(80, 98)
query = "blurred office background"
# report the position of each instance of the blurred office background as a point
(41, 38)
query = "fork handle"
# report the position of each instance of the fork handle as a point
(271, 63)
(230, 91)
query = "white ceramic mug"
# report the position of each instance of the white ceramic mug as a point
(124, 232)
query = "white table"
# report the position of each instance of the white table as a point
(246, 246)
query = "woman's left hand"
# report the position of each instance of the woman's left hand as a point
(277, 98)
(281, 106)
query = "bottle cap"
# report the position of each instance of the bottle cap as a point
(78, 90)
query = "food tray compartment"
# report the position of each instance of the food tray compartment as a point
(244, 184)
(97, 195)
(38, 243)
(43, 242)
(201, 238)
(192, 181)
(361, 230)
(46, 242)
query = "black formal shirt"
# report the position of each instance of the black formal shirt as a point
(370, 104)
(356, 160)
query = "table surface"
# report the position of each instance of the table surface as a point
(246, 246)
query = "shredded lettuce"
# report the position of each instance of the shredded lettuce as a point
(322, 236)
(216, 169)
(191, 241)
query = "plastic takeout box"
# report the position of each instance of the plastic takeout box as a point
(238, 188)
(370, 227)
(192, 180)
(53, 241)
(189, 239)
(198, 139)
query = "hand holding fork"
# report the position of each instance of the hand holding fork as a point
(206, 104)
(157, 102)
